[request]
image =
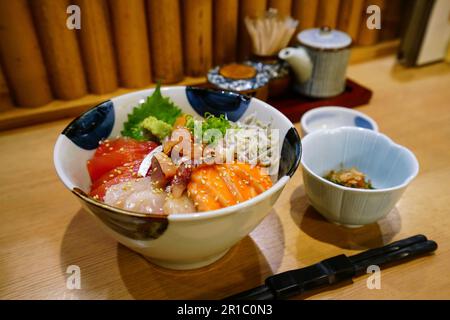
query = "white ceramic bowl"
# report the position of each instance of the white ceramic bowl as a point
(335, 117)
(178, 241)
(389, 166)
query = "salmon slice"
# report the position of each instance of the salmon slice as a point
(221, 185)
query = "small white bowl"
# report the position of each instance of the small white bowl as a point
(335, 117)
(389, 166)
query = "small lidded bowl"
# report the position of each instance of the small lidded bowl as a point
(245, 78)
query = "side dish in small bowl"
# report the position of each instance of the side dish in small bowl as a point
(355, 176)
(178, 174)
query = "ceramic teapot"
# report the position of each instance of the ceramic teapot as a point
(320, 62)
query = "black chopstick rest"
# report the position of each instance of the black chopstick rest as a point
(335, 269)
(295, 282)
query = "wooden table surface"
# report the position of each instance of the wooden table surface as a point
(43, 229)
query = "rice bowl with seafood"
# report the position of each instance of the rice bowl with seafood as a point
(178, 174)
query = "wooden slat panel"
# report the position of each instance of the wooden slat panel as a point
(327, 13)
(60, 49)
(365, 53)
(305, 12)
(96, 46)
(225, 30)
(57, 109)
(350, 13)
(391, 19)
(17, 117)
(253, 9)
(283, 7)
(197, 32)
(5, 99)
(369, 36)
(165, 39)
(21, 56)
(131, 42)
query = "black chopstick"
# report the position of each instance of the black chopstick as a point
(335, 269)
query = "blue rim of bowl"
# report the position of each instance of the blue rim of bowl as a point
(338, 109)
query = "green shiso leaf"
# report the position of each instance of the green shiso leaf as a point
(157, 106)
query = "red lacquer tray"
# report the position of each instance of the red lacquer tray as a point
(293, 105)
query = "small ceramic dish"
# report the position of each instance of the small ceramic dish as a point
(177, 241)
(335, 117)
(245, 78)
(389, 166)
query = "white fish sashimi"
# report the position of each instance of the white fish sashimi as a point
(182, 204)
(136, 195)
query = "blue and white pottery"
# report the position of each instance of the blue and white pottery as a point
(319, 62)
(178, 241)
(389, 166)
(335, 117)
(260, 79)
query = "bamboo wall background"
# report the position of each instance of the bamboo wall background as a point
(134, 43)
